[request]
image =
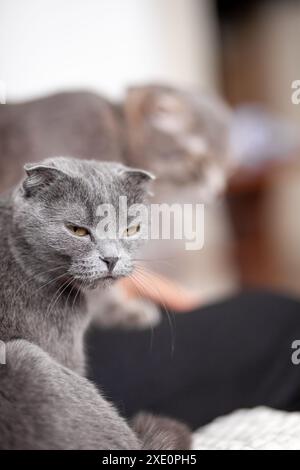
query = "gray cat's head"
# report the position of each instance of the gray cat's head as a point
(56, 219)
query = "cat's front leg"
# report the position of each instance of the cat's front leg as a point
(44, 405)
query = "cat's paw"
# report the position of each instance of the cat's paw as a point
(140, 314)
(129, 314)
(161, 433)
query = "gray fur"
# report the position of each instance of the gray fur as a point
(117, 311)
(161, 432)
(45, 405)
(81, 124)
(182, 137)
(37, 249)
(45, 402)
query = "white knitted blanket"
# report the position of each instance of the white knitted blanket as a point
(256, 429)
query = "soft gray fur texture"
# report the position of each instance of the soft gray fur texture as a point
(156, 430)
(81, 124)
(183, 137)
(116, 310)
(45, 401)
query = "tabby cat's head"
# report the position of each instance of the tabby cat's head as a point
(182, 137)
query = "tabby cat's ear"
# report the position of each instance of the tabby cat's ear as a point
(39, 177)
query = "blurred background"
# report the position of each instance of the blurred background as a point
(245, 51)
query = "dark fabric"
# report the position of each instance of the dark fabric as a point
(202, 364)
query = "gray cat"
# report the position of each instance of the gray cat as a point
(50, 254)
(80, 124)
(181, 136)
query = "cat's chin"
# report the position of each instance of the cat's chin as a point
(99, 283)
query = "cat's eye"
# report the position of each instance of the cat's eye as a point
(130, 231)
(78, 231)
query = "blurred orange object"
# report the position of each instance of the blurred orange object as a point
(160, 290)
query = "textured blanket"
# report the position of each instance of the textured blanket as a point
(256, 429)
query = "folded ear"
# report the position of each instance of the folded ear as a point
(137, 179)
(138, 176)
(39, 177)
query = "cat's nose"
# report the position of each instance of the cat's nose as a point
(110, 262)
